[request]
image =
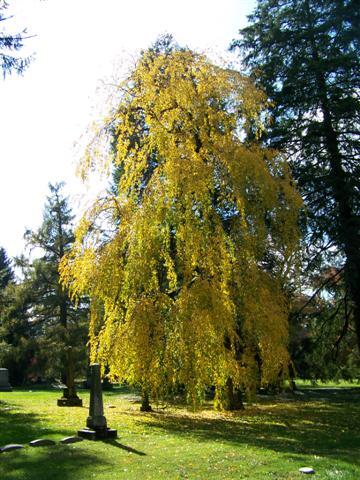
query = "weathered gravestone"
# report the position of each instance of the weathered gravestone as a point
(70, 398)
(307, 470)
(4, 380)
(10, 447)
(72, 439)
(96, 426)
(42, 442)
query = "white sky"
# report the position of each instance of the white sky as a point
(76, 45)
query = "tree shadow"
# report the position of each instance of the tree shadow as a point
(58, 462)
(324, 423)
(20, 427)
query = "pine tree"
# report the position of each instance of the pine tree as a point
(9, 44)
(16, 344)
(305, 54)
(176, 259)
(6, 271)
(59, 324)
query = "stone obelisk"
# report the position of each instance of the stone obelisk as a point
(96, 426)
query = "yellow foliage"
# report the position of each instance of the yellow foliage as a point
(181, 286)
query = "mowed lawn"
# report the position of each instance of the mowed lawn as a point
(272, 439)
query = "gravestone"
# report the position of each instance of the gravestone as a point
(42, 442)
(70, 398)
(96, 426)
(10, 447)
(307, 470)
(72, 439)
(4, 380)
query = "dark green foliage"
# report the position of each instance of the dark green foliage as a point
(10, 44)
(58, 322)
(37, 319)
(323, 344)
(305, 54)
(6, 271)
(18, 343)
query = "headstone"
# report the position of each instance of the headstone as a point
(87, 433)
(11, 446)
(307, 470)
(73, 439)
(70, 398)
(4, 380)
(96, 421)
(42, 442)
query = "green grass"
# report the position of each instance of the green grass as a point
(269, 440)
(328, 384)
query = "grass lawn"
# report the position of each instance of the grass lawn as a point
(319, 428)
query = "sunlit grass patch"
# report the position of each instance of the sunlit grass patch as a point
(270, 439)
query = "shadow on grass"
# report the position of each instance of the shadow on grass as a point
(58, 462)
(20, 427)
(117, 444)
(323, 423)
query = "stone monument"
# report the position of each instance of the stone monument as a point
(70, 398)
(96, 426)
(4, 380)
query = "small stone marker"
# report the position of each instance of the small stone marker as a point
(42, 442)
(96, 426)
(11, 446)
(73, 439)
(4, 380)
(306, 470)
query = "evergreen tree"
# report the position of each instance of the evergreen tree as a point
(305, 53)
(6, 271)
(9, 44)
(16, 344)
(59, 324)
(19, 351)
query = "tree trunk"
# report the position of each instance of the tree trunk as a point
(233, 397)
(145, 404)
(63, 323)
(348, 222)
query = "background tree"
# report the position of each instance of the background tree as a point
(175, 259)
(18, 343)
(59, 324)
(9, 44)
(305, 54)
(322, 344)
(6, 271)
(17, 346)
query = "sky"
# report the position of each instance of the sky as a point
(77, 45)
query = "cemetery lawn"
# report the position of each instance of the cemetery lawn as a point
(272, 439)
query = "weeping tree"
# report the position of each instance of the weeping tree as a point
(184, 260)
